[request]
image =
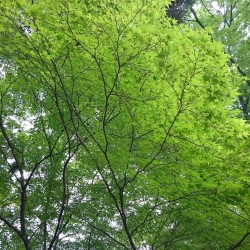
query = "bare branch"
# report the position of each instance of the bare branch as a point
(196, 18)
(240, 242)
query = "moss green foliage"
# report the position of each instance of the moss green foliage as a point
(121, 130)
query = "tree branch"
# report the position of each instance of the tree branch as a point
(196, 18)
(239, 243)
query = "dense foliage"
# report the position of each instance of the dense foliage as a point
(117, 130)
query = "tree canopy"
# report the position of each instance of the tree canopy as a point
(118, 130)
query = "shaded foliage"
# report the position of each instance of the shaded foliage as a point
(179, 9)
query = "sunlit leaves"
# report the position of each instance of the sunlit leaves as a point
(129, 129)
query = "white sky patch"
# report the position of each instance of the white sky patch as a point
(197, 6)
(26, 123)
(2, 72)
(26, 175)
(248, 31)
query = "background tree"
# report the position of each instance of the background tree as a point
(229, 23)
(179, 9)
(117, 130)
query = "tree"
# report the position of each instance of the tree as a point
(179, 9)
(117, 130)
(229, 22)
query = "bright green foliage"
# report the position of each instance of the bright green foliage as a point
(132, 142)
